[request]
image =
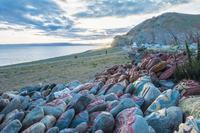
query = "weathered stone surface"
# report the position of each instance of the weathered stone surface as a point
(105, 122)
(12, 127)
(32, 117)
(65, 119)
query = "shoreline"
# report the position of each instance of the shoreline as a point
(81, 66)
(97, 47)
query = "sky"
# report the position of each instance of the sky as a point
(80, 21)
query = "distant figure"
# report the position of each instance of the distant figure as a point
(106, 51)
(75, 56)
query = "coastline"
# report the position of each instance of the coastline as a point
(81, 66)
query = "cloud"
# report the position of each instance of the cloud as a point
(102, 8)
(41, 14)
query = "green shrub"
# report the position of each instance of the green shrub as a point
(191, 69)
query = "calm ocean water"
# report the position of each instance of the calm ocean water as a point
(14, 54)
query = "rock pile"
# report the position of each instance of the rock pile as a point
(123, 99)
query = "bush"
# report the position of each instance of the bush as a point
(191, 69)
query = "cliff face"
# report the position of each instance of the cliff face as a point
(164, 29)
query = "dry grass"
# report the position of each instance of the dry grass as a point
(81, 67)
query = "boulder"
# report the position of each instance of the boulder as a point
(96, 88)
(12, 127)
(53, 130)
(3, 103)
(65, 119)
(191, 106)
(131, 121)
(190, 126)
(33, 116)
(55, 108)
(79, 118)
(118, 89)
(123, 104)
(35, 128)
(105, 122)
(79, 102)
(111, 97)
(81, 128)
(164, 100)
(149, 93)
(97, 105)
(139, 84)
(48, 121)
(130, 88)
(166, 120)
(188, 87)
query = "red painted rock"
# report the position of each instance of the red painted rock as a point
(188, 87)
(167, 73)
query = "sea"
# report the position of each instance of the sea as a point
(20, 53)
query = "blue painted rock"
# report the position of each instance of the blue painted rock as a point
(130, 88)
(105, 122)
(190, 126)
(14, 115)
(164, 100)
(123, 104)
(79, 102)
(139, 84)
(53, 130)
(48, 121)
(73, 84)
(111, 97)
(33, 116)
(55, 108)
(118, 89)
(12, 127)
(65, 119)
(35, 128)
(165, 120)
(96, 88)
(97, 105)
(79, 118)
(81, 128)
(149, 93)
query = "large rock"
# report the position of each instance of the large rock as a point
(53, 130)
(79, 102)
(188, 87)
(81, 128)
(55, 108)
(165, 120)
(32, 117)
(14, 115)
(123, 104)
(12, 127)
(35, 128)
(149, 93)
(190, 126)
(48, 121)
(131, 121)
(65, 119)
(79, 118)
(118, 89)
(105, 122)
(97, 105)
(139, 84)
(166, 99)
(14, 104)
(191, 106)
(96, 88)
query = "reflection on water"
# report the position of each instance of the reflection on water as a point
(14, 54)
